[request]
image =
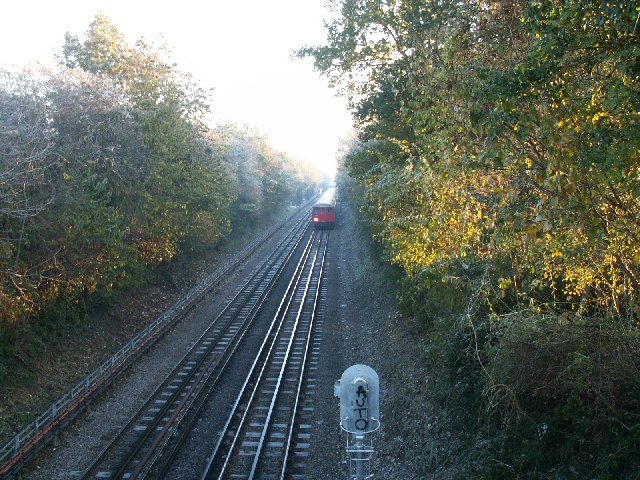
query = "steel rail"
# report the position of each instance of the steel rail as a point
(268, 341)
(294, 413)
(185, 427)
(285, 366)
(37, 433)
(286, 321)
(178, 391)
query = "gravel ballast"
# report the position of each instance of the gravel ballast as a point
(362, 325)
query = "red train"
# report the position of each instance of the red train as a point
(323, 213)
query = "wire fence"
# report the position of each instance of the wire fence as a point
(16, 449)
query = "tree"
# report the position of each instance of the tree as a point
(26, 160)
(104, 51)
(498, 156)
(267, 179)
(180, 182)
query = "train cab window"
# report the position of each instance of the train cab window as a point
(329, 209)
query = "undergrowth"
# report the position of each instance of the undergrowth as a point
(535, 393)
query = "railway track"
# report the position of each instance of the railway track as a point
(153, 436)
(44, 428)
(260, 434)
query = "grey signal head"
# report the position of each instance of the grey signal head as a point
(359, 392)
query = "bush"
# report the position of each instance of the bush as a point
(436, 291)
(565, 392)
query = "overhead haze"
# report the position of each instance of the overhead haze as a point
(241, 50)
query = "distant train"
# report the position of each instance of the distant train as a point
(323, 213)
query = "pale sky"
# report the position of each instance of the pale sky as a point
(241, 48)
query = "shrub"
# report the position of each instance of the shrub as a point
(564, 389)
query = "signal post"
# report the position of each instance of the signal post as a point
(359, 392)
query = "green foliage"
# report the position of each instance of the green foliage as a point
(108, 169)
(269, 180)
(498, 157)
(569, 386)
(182, 195)
(105, 50)
(435, 293)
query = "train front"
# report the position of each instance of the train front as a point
(323, 211)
